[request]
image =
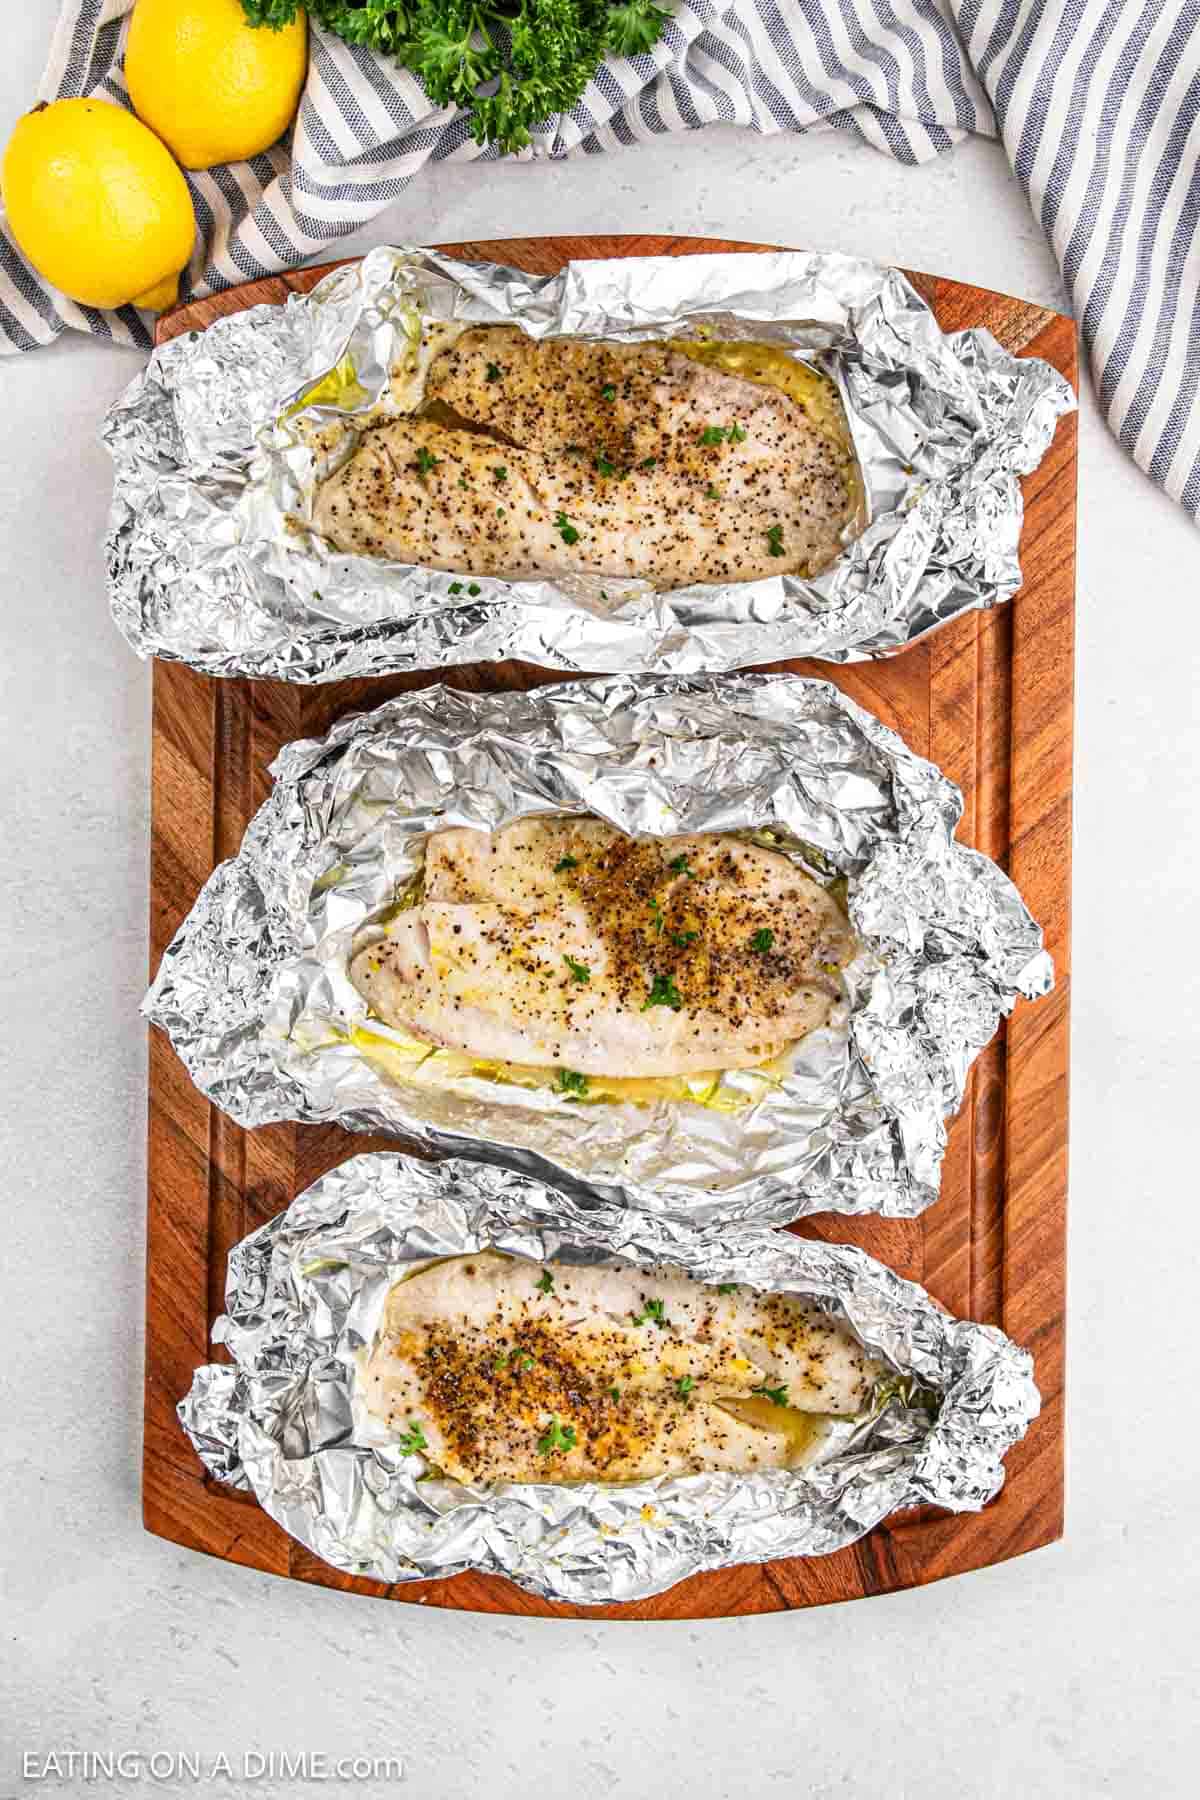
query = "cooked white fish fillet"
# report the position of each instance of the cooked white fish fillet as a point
(620, 460)
(506, 1370)
(563, 944)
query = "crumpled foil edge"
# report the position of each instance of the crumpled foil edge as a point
(305, 1292)
(204, 568)
(253, 991)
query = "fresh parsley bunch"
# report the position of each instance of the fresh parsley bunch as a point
(510, 63)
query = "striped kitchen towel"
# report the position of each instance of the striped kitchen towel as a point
(1096, 102)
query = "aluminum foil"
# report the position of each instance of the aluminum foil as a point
(255, 994)
(305, 1295)
(208, 565)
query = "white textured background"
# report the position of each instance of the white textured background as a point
(1069, 1673)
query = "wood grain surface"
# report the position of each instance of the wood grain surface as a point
(989, 698)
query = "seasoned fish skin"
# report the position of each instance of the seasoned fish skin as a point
(688, 473)
(521, 1372)
(563, 944)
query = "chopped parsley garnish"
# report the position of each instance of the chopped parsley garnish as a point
(493, 371)
(500, 472)
(684, 1386)
(546, 1284)
(680, 865)
(462, 482)
(614, 1393)
(500, 513)
(565, 529)
(652, 1309)
(712, 435)
(608, 391)
(726, 1287)
(775, 540)
(663, 992)
(557, 1437)
(602, 463)
(570, 1081)
(566, 862)
(474, 588)
(762, 939)
(656, 914)
(517, 1360)
(684, 938)
(648, 462)
(712, 493)
(455, 587)
(777, 1396)
(426, 462)
(413, 1440)
(579, 971)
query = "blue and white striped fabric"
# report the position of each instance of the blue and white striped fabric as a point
(1097, 103)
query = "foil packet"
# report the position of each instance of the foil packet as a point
(255, 994)
(210, 562)
(305, 1297)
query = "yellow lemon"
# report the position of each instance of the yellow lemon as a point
(215, 88)
(97, 205)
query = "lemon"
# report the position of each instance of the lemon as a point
(97, 204)
(215, 88)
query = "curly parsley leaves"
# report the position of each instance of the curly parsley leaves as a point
(579, 971)
(510, 64)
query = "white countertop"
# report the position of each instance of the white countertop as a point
(1071, 1672)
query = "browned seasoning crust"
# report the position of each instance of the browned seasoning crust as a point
(564, 943)
(607, 1375)
(575, 456)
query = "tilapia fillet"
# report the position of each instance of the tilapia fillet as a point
(570, 456)
(563, 944)
(504, 1370)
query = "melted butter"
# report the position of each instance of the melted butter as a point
(402, 1059)
(340, 387)
(803, 1431)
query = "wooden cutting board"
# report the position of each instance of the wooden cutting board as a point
(989, 698)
